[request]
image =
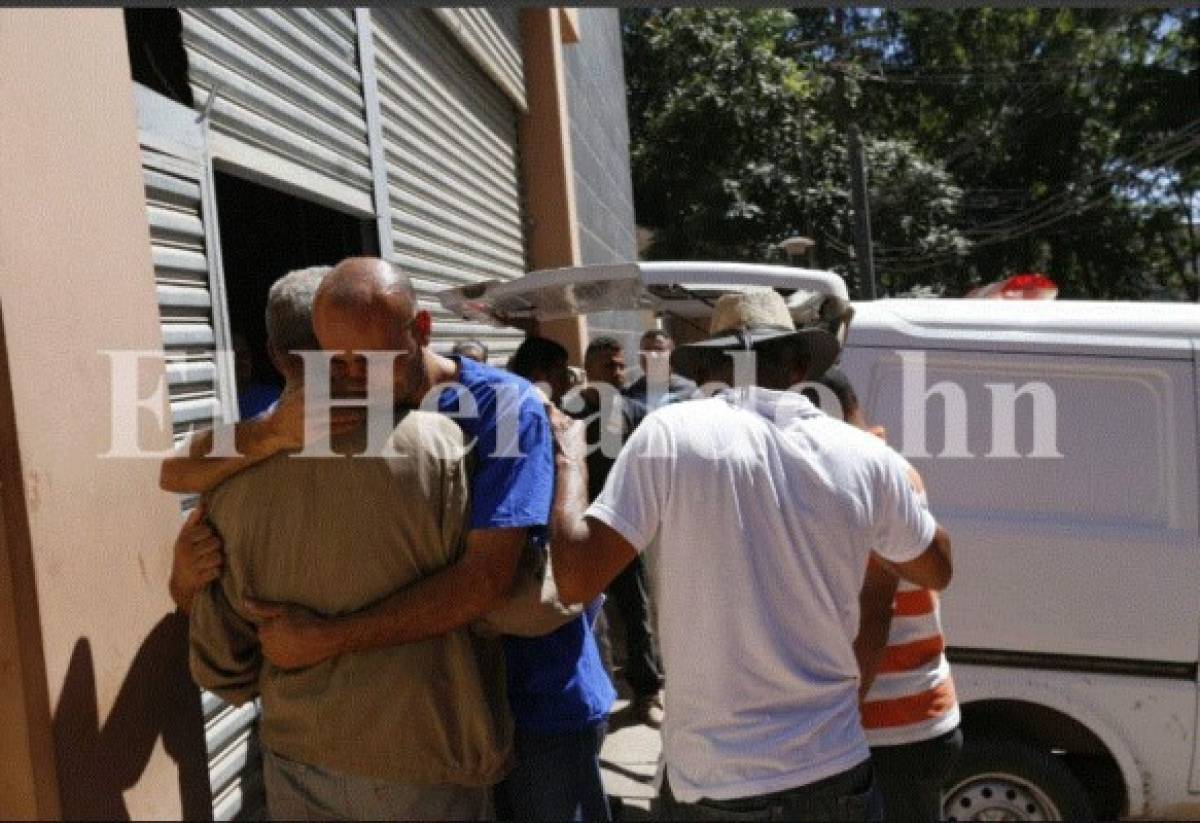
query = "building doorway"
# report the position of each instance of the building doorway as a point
(264, 234)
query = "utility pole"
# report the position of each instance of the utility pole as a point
(863, 251)
(862, 209)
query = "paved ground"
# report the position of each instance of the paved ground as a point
(628, 760)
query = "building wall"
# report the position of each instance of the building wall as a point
(600, 148)
(77, 280)
(28, 788)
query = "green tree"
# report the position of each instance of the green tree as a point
(999, 140)
(714, 128)
(1062, 125)
(732, 150)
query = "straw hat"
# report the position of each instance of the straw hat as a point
(747, 320)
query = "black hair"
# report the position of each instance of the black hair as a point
(776, 362)
(601, 344)
(536, 354)
(837, 382)
(656, 334)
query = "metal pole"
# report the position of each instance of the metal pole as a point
(864, 273)
(374, 117)
(862, 209)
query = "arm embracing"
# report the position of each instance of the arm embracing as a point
(294, 638)
(224, 654)
(192, 469)
(875, 621)
(590, 547)
(196, 559)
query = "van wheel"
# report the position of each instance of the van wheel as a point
(1009, 780)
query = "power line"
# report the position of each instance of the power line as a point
(1154, 154)
(1149, 156)
(908, 264)
(1051, 74)
(901, 258)
(964, 148)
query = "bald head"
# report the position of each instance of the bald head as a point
(369, 285)
(368, 305)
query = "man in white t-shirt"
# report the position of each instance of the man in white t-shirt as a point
(763, 508)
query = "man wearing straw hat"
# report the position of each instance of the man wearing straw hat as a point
(763, 508)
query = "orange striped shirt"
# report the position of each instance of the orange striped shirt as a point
(931, 704)
(912, 697)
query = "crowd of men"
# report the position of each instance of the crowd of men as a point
(424, 624)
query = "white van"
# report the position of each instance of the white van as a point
(1059, 449)
(1067, 474)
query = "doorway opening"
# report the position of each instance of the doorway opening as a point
(157, 58)
(266, 233)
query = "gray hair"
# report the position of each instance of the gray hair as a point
(290, 310)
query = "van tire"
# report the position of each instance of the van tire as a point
(1012, 777)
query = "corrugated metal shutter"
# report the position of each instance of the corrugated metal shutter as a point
(492, 37)
(182, 231)
(450, 139)
(289, 96)
(181, 269)
(234, 760)
(178, 202)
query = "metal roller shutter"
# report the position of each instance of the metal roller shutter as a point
(175, 175)
(191, 306)
(234, 759)
(181, 271)
(450, 143)
(289, 97)
(492, 37)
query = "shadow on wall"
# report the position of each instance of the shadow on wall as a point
(96, 764)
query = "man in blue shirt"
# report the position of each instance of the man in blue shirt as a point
(558, 690)
(560, 724)
(559, 693)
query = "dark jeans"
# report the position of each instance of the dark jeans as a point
(629, 595)
(911, 777)
(851, 795)
(557, 778)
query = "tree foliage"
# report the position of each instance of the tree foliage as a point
(998, 140)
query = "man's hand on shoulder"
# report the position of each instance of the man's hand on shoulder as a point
(194, 468)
